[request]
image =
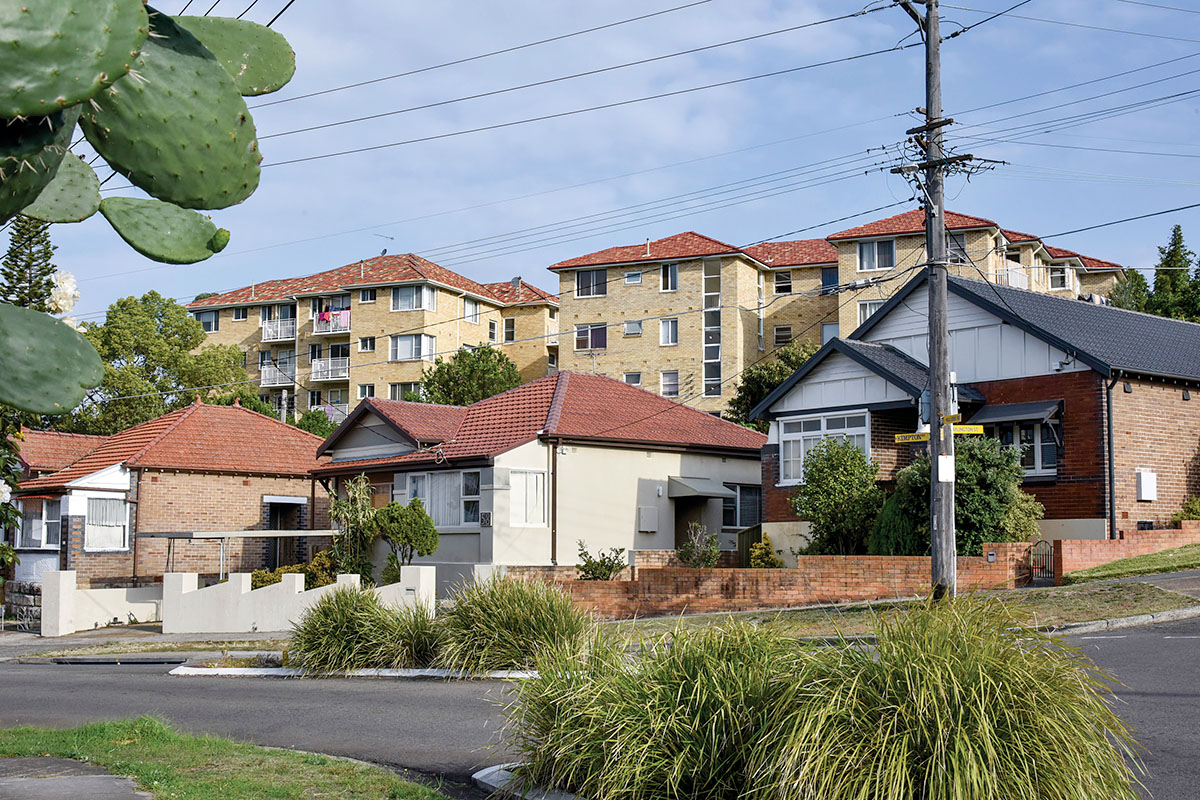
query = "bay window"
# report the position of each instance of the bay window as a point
(41, 524)
(799, 436)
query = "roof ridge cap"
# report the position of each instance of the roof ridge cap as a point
(557, 400)
(187, 412)
(269, 419)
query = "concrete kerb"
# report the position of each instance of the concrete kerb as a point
(501, 781)
(1117, 623)
(393, 674)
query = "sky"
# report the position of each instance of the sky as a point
(743, 162)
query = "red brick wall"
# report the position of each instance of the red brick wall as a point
(891, 457)
(776, 507)
(642, 559)
(94, 569)
(1075, 554)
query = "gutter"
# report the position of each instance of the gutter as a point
(1112, 477)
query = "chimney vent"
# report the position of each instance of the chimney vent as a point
(516, 282)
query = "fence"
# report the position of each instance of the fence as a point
(66, 609)
(1076, 554)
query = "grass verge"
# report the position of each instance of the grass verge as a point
(200, 646)
(175, 765)
(1187, 557)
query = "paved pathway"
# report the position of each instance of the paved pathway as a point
(62, 779)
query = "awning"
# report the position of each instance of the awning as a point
(696, 487)
(1038, 411)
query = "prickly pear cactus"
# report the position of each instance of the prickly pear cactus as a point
(162, 231)
(260, 60)
(177, 126)
(56, 53)
(30, 153)
(73, 195)
(47, 364)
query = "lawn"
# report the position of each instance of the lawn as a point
(1049, 606)
(1187, 557)
(174, 765)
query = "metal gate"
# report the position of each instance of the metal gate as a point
(1041, 561)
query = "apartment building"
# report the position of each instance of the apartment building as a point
(370, 328)
(684, 315)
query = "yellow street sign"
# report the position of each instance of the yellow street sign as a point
(948, 419)
(959, 430)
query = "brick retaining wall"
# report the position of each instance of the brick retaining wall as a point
(1076, 554)
(640, 559)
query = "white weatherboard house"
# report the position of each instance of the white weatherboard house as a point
(519, 478)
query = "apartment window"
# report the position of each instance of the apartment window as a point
(366, 390)
(552, 360)
(591, 336)
(669, 383)
(1060, 278)
(798, 437)
(783, 282)
(783, 335)
(880, 254)
(264, 359)
(366, 344)
(471, 310)
(1037, 442)
(414, 298)
(741, 510)
(829, 279)
(266, 313)
(398, 391)
(633, 378)
(106, 526)
(40, 524)
(1013, 255)
(209, 320)
(527, 498)
(956, 247)
(669, 277)
(314, 398)
(668, 332)
(633, 278)
(241, 314)
(829, 330)
(633, 327)
(366, 295)
(712, 328)
(866, 308)
(412, 347)
(491, 330)
(553, 313)
(339, 350)
(314, 352)
(591, 283)
(510, 330)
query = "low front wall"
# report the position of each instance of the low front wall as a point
(817, 580)
(67, 609)
(638, 560)
(1071, 555)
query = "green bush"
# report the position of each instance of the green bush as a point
(839, 498)
(1020, 523)
(601, 567)
(505, 623)
(701, 549)
(762, 556)
(321, 571)
(896, 532)
(350, 628)
(1190, 510)
(408, 530)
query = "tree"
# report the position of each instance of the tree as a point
(839, 498)
(407, 530)
(472, 374)
(315, 421)
(1174, 294)
(27, 274)
(205, 296)
(354, 516)
(760, 379)
(149, 348)
(1131, 292)
(247, 398)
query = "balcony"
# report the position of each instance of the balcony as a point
(278, 330)
(1015, 277)
(332, 322)
(273, 375)
(335, 411)
(330, 369)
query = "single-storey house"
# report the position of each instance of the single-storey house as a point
(90, 502)
(1098, 398)
(519, 478)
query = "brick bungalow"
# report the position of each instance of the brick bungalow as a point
(89, 500)
(1098, 398)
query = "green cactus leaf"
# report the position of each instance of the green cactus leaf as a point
(56, 53)
(30, 153)
(260, 60)
(176, 126)
(162, 231)
(219, 240)
(47, 364)
(73, 195)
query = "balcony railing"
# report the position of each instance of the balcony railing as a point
(330, 369)
(1015, 277)
(332, 322)
(336, 411)
(278, 330)
(273, 375)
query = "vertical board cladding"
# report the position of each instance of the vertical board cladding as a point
(1155, 429)
(1076, 554)
(1078, 490)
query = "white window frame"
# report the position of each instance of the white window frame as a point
(711, 332)
(241, 314)
(396, 391)
(366, 344)
(88, 527)
(469, 500)
(590, 287)
(510, 330)
(1038, 470)
(492, 330)
(956, 247)
(471, 310)
(423, 347)
(668, 332)
(37, 540)
(791, 463)
(314, 394)
(1064, 272)
(424, 297)
(633, 327)
(829, 330)
(210, 321)
(633, 278)
(590, 328)
(662, 382)
(637, 382)
(668, 280)
(874, 305)
(416, 484)
(783, 282)
(366, 390)
(367, 295)
(552, 359)
(519, 512)
(872, 247)
(781, 330)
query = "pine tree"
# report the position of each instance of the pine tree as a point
(1131, 292)
(1173, 294)
(27, 273)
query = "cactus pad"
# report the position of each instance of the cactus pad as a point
(177, 126)
(259, 59)
(73, 195)
(55, 53)
(30, 153)
(47, 365)
(162, 231)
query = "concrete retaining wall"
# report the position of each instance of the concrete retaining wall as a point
(66, 609)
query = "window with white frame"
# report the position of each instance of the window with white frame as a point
(527, 498)
(398, 391)
(1038, 443)
(633, 327)
(314, 398)
(451, 498)
(367, 295)
(591, 283)
(412, 347)
(366, 344)
(711, 326)
(783, 335)
(366, 390)
(669, 383)
(553, 312)
(783, 282)
(591, 336)
(799, 436)
(241, 314)
(633, 278)
(106, 526)
(414, 298)
(868, 307)
(40, 524)
(633, 378)
(471, 310)
(491, 330)
(829, 330)
(956, 248)
(668, 277)
(552, 360)
(668, 332)
(470, 496)
(741, 510)
(210, 321)
(1060, 277)
(879, 254)
(510, 330)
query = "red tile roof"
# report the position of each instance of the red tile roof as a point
(378, 270)
(911, 222)
(1017, 236)
(573, 405)
(202, 438)
(516, 295)
(800, 253)
(41, 451)
(423, 422)
(682, 245)
(1088, 262)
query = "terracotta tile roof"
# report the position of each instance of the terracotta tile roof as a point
(378, 270)
(911, 222)
(1089, 263)
(573, 405)
(50, 450)
(799, 253)
(424, 422)
(525, 293)
(1017, 236)
(226, 439)
(682, 245)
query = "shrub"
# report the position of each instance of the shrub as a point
(321, 571)
(896, 532)
(391, 571)
(701, 549)
(838, 497)
(602, 567)
(503, 623)
(1020, 523)
(354, 517)
(418, 635)
(762, 556)
(350, 628)
(1190, 510)
(408, 531)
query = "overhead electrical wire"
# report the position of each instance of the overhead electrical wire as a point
(1077, 25)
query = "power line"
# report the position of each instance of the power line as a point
(1079, 25)
(961, 31)
(1158, 5)
(280, 14)
(247, 11)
